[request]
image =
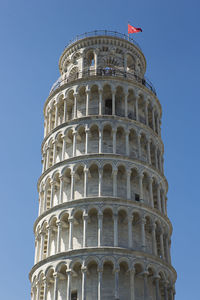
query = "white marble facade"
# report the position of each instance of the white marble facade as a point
(102, 232)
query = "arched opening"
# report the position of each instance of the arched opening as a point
(148, 235)
(94, 101)
(131, 105)
(150, 116)
(143, 143)
(107, 100)
(122, 229)
(139, 281)
(152, 151)
(92, 281)
(108, 282)
(120, 102)
(53, 236)
(81, 102)
(133, 144)
(73, 74)
(121, 182)
(141, 109)
(60, 109)
(136, 232)
(93, 144)
(130, 63)
(79, 183)
(50, 286)
(124, 281)
(67, 185)
(80, 141)
(56, 194)
(120, 141)
(78, 230)
(107, 186)
(76, 282)
(134, 183)
(64, 245)
(69, 144)
(62, 283)
(155, 193)
(107, 139)
(145, 185)
(70, 105)
(108, 230)
(92, 228)
(48, 194)
(93, 181)
(59, 145)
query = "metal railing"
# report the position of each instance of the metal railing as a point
(103, 72)
(103, 33)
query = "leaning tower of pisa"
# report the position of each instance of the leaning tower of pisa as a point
(102, 231)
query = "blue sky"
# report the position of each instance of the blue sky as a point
(33, 35)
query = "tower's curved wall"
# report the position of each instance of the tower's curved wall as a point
(102, 230)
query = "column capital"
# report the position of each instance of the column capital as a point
(83, 269)
(59, 223)
(71, 219)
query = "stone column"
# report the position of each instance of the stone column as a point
(146, 114)
(49, 230)
(139, 146)
(167, 248)
(161, 245)
(55, 275)
(61, 189)
(63, 147)
(163, 203)
(75, 105)
(65, 110)
(158, 197)
(143, 236)
(41, 244)
(114, 183)
(72, 185)
(148, 152)
(45, 288)
(146, 290)
(56, 115)
(85, 182)
(166, 290)
(153, 119)
(156, 157)
(157, 278)
(69, 284)
(154, 244)
(127, 142)
(100, 101)
(52, 193)
(49, 121)
(54, 151)
(85, 218)
(116, 284)
(115, 219)
(71, 223)
(74, 142)
(136, 109)
(87, 101)
(38, 290)
(151, 192)
(83, 270)
(114, 140)
(113, 103)
(100, 182)
(128, 174)
(130, 235)
(47, 159)
(59, 225)
(100, 271)
(86, 139)
(132, 284)
(100, 140)
(141, 176)
(126, 105)
(43, 162)
(100, 227)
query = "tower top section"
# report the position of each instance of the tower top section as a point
(102, 53)
(113, 49)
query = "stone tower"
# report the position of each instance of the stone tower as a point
(102, 232)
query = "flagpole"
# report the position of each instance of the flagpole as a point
(128, 33)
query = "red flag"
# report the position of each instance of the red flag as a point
(132, 29)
